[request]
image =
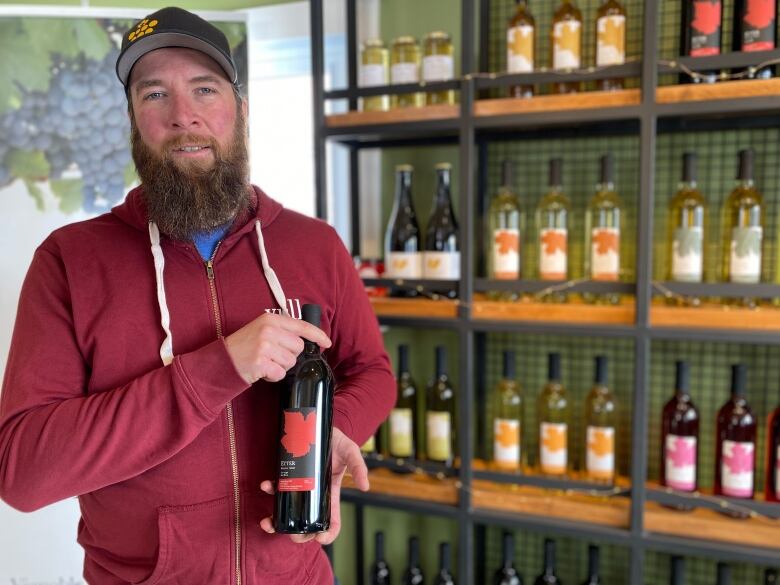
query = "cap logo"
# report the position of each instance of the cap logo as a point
(144, 27)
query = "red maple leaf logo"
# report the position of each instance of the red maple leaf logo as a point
(760, 13)
(706, 16)
(740, 460)
(553, 241)
(683, 453)
(299, 432)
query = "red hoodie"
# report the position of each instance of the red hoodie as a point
(167, 460)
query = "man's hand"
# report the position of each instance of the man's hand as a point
(268, 346)
(345, 455)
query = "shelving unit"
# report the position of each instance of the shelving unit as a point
(478, 496)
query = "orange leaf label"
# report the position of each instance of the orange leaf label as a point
(606, 241)
(508, 434)
(554, 439)
(601, 443)
(553, 240)
(507, 242)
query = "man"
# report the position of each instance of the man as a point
(148, 341)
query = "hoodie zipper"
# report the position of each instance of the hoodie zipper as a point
(230, 422)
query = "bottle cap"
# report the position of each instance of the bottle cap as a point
(509, 364)
(745, 172)
(556, 172)
(689, 167)
(607, 169)
(554, 367)
(601, 370)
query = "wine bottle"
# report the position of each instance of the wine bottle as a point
(507, 426)
(441, 258)
(520, 47)
(403, 418)
(677, 571)
(566, 43)
(370, 446)
(593, 566)
(743, 220)
(724, 574)
(771, 577)
(302, 500)
(444, 576)
(600, 424)
(413, 574)
(504, 230)
(548, 576)
(754, 29)
(403, 259)
(700, 33)
(687, 215)
(553, 411)
(440, 415)
(735, 452)
(508, 574)
(680, 436)
(610, 40)
(552, 217)
(603, 220)
(773, 460)
(379, 573)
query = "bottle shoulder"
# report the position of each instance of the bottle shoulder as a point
(742, 196)
(688, 199)
(605, 200)
(554, 200)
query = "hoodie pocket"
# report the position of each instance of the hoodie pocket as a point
(194, 543)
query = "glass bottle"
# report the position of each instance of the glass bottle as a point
(440, 414)
(566, 43)
(403, 418)
(553, 411)
(374, 72)
(380, 571)
(520, 47)
(700, 34)
(441, 255)
(686, 231)
(600, 426)
(438, 64)
(508, 423)
(680, 436)
(773, 460)
(508, 573)
(724, 574)
(677, 576)
(552, 218)
(504, 230)
(593, 566)
(548, 576)
(403, 259)
(610, 40)
(405, 68)
(755, 29)
(413, 574)
(444, 576)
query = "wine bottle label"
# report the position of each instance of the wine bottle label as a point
(758, 25)
(605, 253)
(553, 254)
(439, 427)
(506, 443)
(777, 473)
(736, 468)
(372, 75)
(298, 461)
(680, 462)
(441, 265)
(553, 450)
(687, 258)
(401, 432)
(600, 456)
(370, 445)
(705, 28)
(520, 49)
(746, 254)
(506, 254)
(611, 40)
(567, 37)
(403, 265)
(438, 68)
(404, 73)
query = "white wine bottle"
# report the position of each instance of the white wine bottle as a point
(603, 220)
(743, 226)
(600, 427)
(504, 230)
(440, 414)
(552, 222)
(553, 411)
(403, 418)
(508, 423)
(520, 39)
(687, 217)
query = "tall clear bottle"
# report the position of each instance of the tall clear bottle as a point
(600, 426)
(610, 40)
(686, 227)
(504, 233)
(508, 423)
(680, 436)
(403, 418)
(553, 410)
(403, 259)
(441, 255)
(520, 47)
(440, 413)
(552, 222)
(566, 43)
(374, 71)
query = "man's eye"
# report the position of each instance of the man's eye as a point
(153, 95)
(206, 90)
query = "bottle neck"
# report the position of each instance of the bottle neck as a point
(745, 183)
(687, 185)
(403, 190)
(602, 187)
(310, 348)
(443, 189)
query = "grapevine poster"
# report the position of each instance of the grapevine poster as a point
(64, 157)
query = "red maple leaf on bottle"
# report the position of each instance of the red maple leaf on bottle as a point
(740, 460)
(299, 432)
(553, 241)
(760, 13)
(684, 453)
(706, 16)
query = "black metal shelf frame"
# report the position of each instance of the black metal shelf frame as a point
(471, 132)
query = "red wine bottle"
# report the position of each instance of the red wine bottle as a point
(593, 566)
(735, 454)
(548, 576)
(773, 461)
(302, 501)
(677, 571)
(754, 29)
(702, 21)
(413, 574)
(724, 574)
(380, 570)
(444, 577)
(508, 574)
(680, 436)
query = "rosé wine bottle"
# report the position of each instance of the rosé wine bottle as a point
(680, 436)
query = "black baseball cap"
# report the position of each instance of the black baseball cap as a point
(173, 27)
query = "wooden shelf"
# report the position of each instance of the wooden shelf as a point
(716, 317)
(415, 486)
(726, 90)
(418, 308)
(425, 113)
(713, 526)
(551, 103)
(573, 312)
(604, 511)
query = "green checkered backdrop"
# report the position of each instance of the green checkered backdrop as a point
(717, 152)
(698, 571)
(581, 172)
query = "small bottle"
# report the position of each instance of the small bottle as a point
(552, 218)
(507, 426)
(379, 573)
(405, 68)
(735, 450)
(680, 436)
(504, 230)
(374, 72)
(548, 576)
(724, 574)
(413, 574)
(403, 418)
(600, 420)
(593, 566)
(438, 64)
(677, 571)
(755, 29)
(687, 217)
(553, 411)
(520, 55)
(441, 255)
(772, 483)
(444, 576)
(610, 40)
(566, 43)
(700, 33)
(771, 577)
(440, 415)
(508, 574)
(403, 259)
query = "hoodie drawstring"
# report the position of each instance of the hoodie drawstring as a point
(270, 275)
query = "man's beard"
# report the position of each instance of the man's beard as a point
(187, 197)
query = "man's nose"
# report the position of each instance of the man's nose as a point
(183, 115)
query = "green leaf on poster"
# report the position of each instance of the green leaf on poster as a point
(52, 35)
(92, 39)
(23, 66)
(70, 192)
(30, 165)
(36, 193)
